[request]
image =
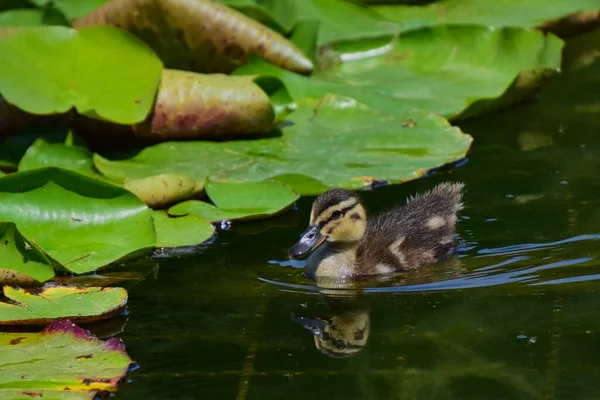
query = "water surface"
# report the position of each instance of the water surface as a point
(514, 315)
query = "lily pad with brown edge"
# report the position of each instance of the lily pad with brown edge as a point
(23, 263)
(198, 35)
(239, 201)
(335, 141)
(189, 106)
(180, 231)
(63, 361)
(457, 71)
(42, 306)
(67, 68)
(80, 222)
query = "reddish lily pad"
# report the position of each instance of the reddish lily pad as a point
(63, 361)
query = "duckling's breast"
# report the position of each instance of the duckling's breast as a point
(331, 262)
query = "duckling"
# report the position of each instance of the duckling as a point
(342, 243)
(340, 336)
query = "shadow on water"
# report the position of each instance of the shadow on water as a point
(512, 315)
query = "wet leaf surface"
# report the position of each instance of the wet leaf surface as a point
(82, 223)
(527, 14)
(42, 306)
(239, 201)
(63, 361)
(78, 69)
(188, 230)
(338, 19)
(222, 39)
(446, 69)
(23, 263)
(334, 141)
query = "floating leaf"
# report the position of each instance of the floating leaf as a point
(334, 140)
(43, 154)
(526, 14)
(188, 230)
(445, 69)
(199, 35)
(192, 106)
(61, 362)
(52, 302)
(22, 262)
(338, 19)
(79, 69)
(239, 201)
(21, 17)
(161, 190)
(82, 223)
(74, 9)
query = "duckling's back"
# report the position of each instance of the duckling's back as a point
(413, 235)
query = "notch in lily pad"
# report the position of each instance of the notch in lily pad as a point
(239, 201)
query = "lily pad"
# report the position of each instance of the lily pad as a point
(527, 14)
(23, 263)
(161, 190)
(188, 230)
(338, 19)
(445, 69)
(335, 141)
(82, 223)
(77, 304)
(191, 106)
(43, 154)
(221, 41)
(239, 201)
(63, 361)
(68, 68)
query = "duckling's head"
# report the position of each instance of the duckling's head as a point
(337, 216)
(340, 336)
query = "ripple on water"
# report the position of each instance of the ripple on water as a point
(527, 264)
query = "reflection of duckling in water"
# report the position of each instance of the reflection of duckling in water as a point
(341, 335)
(345, 244)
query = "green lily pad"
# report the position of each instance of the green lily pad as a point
(527, 14)
(188, 230)
(338, 19)
(53, 301)
(43, 154)
(23, 263)
(335, 141)
(68, 68)
(31, 17)
(22, 17)
(239, 201)
(446, 69)
(63, 361)
(82, 223)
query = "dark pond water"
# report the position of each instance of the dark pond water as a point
(515, 315)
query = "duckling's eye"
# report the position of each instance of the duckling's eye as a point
(336, 214)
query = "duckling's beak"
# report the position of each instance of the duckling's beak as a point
(316, 326)
(310, 240)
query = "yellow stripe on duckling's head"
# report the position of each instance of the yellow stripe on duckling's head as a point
(339, 215)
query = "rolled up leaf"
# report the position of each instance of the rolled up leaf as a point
(161, 190)
(191, 106)
(199, 35)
